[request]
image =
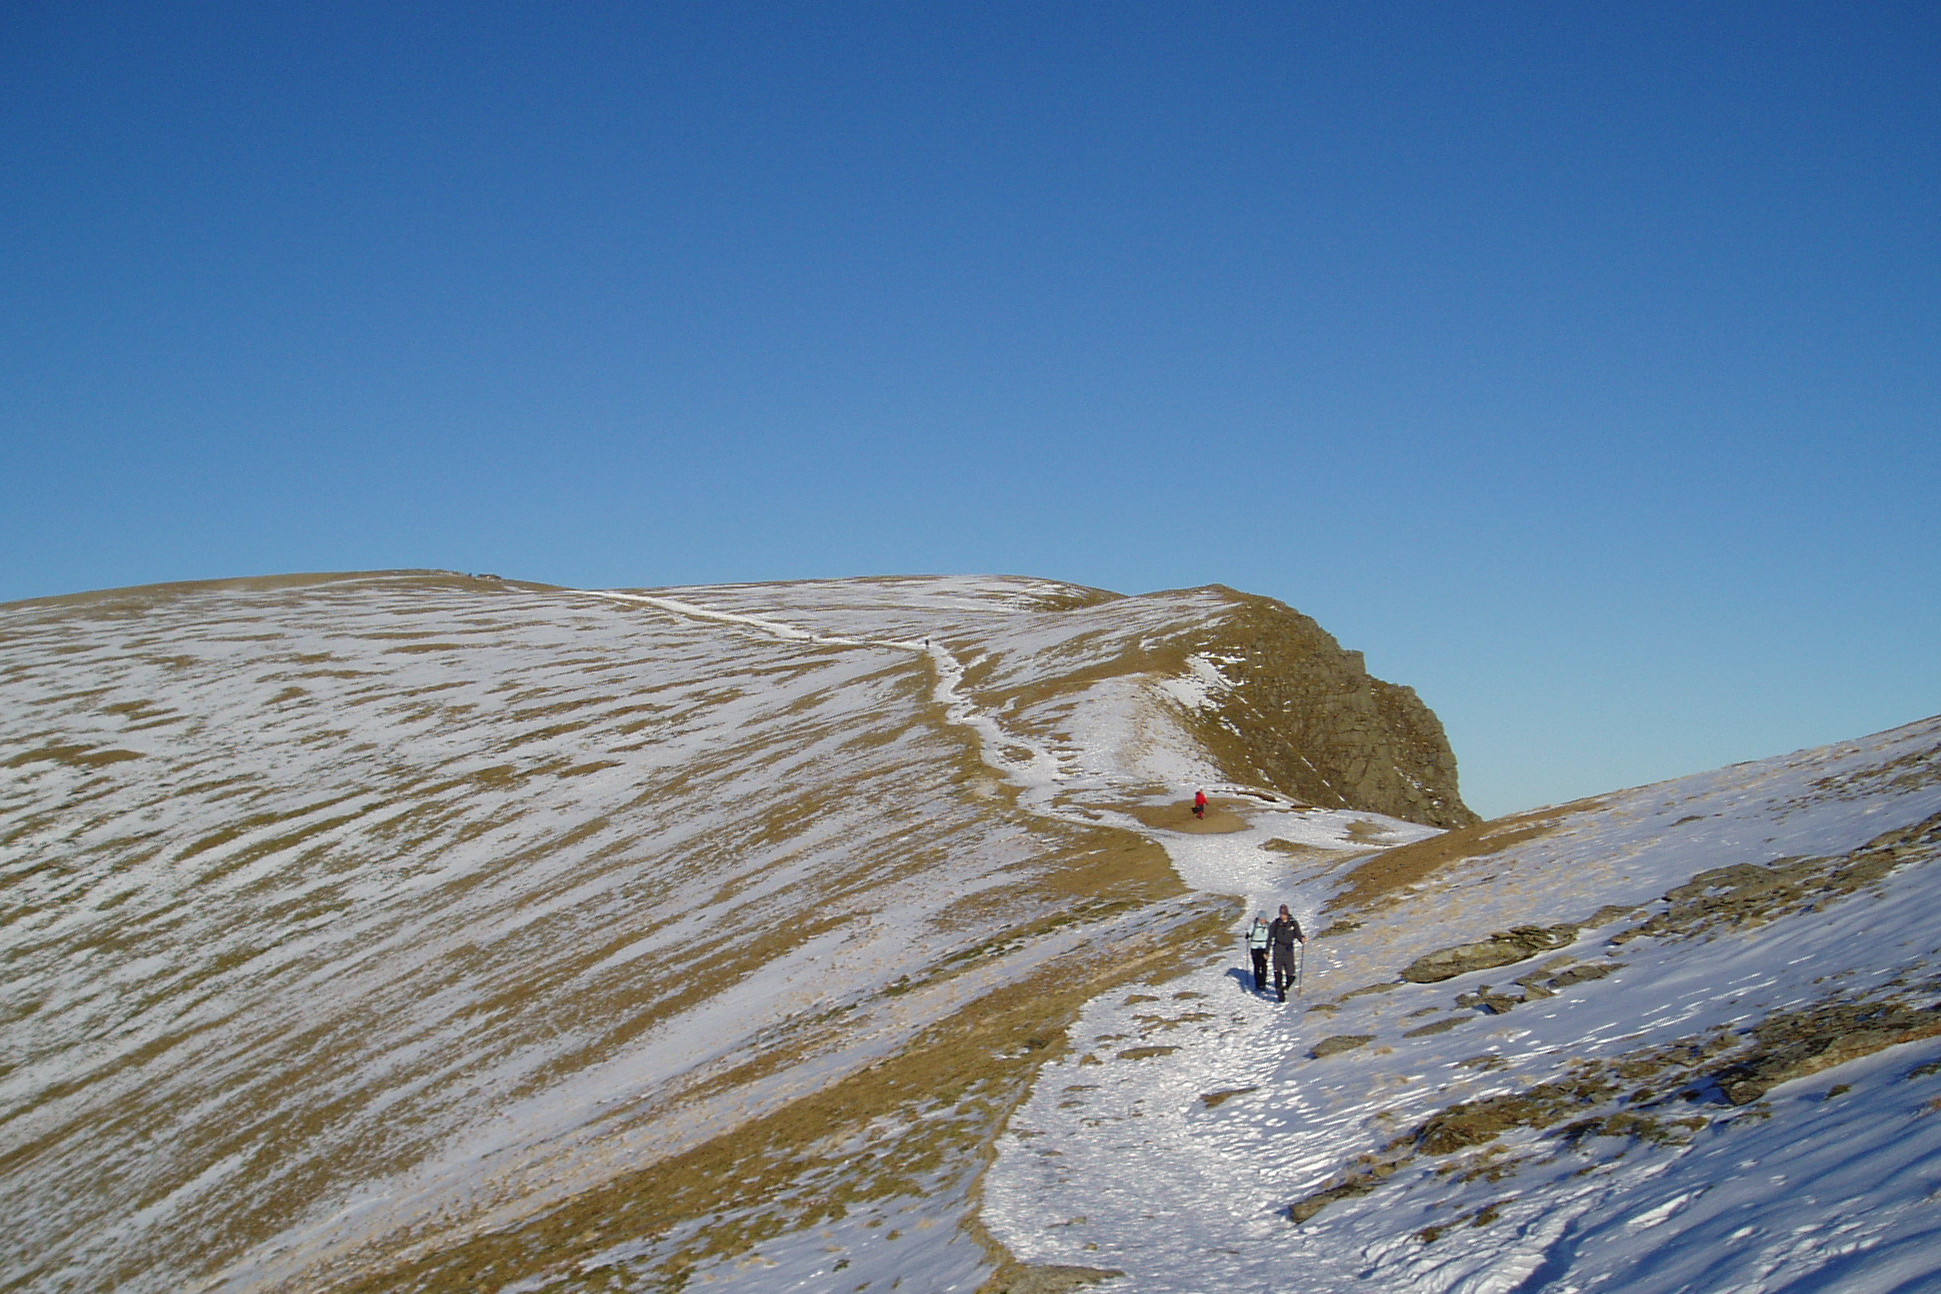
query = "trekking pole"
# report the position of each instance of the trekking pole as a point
(1300, 960)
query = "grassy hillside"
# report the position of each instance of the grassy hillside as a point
(416, 930)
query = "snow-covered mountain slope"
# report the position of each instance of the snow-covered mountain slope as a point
(1714, 1062)
(424, 932)
(428, 931)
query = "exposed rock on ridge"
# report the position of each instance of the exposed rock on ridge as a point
(1306, 717)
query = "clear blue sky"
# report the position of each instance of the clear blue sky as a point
(1580, 363)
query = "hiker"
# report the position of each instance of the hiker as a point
(1283, 935)
(1257, 949)
(1199, 804)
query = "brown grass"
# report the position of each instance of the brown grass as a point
(72, 756)
(1395, 869)
(106, 600)
(1220, 818)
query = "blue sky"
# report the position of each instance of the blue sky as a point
(1581, 364)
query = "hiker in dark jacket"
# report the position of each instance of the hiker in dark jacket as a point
(1283, 935)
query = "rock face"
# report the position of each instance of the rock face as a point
(1305, 716)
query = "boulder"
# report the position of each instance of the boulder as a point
(1498, 950)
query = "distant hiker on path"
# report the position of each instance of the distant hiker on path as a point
(1199, 804)
(1257, 939)
(1283, 935)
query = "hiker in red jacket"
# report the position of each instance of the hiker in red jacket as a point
(1199, 804)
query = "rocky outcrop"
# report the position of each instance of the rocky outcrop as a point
(1794, 1044)
(1486, 954)
(1743, 895)
(1304, 716)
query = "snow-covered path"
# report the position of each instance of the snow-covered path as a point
(1178, 1166)
(1034, 769)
